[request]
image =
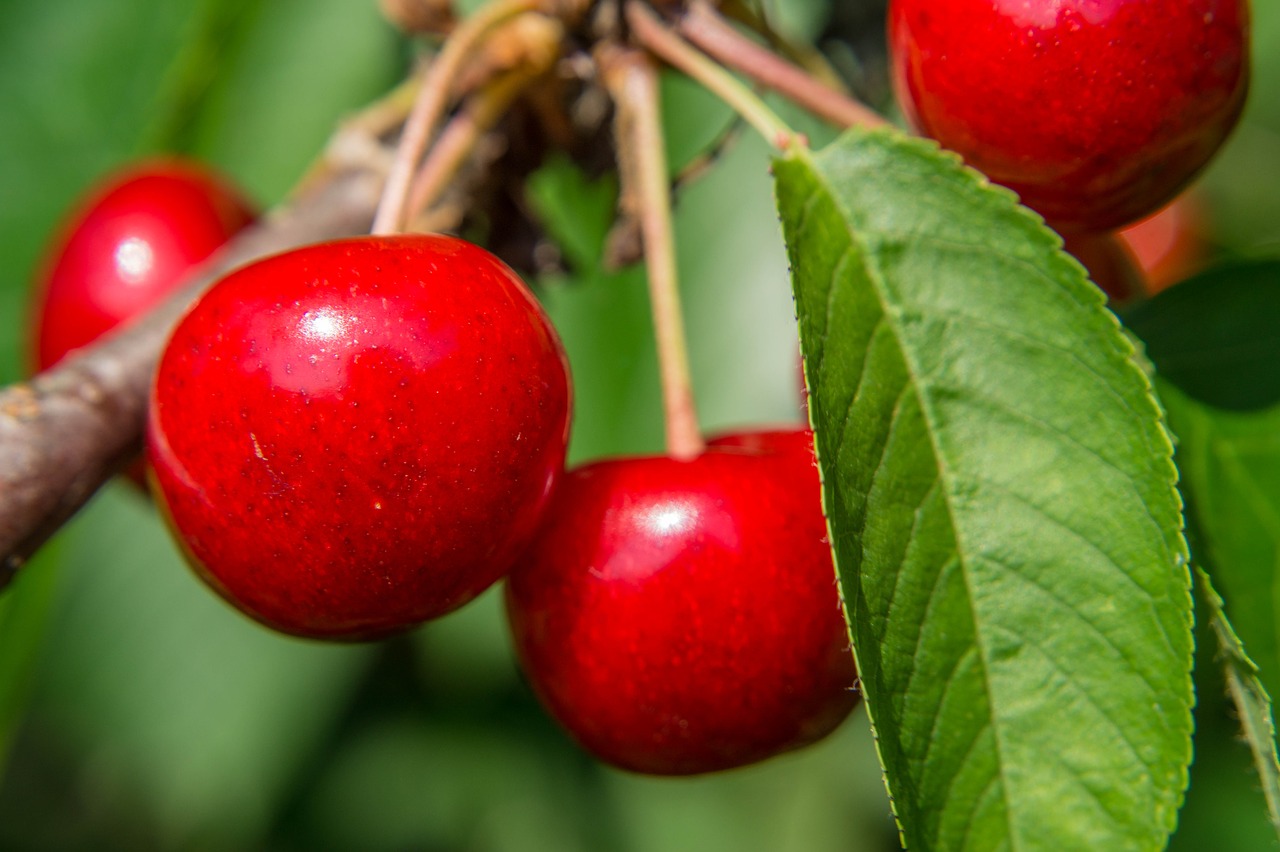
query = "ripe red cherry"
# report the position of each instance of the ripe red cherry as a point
(356, 436)
(126, 247)
(682, 617)
(1095, 111)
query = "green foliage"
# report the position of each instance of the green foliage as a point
(1033, 595)
(1212, 340)
(1213, 343)
(1001, 501)
(1249, 696)
(1213, 336)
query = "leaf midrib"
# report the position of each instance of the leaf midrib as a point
(890, 319)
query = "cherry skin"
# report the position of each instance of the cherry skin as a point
(129, 244)
(1096, 112)
(353, 437)
(683, 617)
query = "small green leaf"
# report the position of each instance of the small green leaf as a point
(1214, 335)
(1249, 696)
(1001, 499)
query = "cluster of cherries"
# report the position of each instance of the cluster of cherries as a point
(352, 438)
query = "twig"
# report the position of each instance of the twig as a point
(807, 57)
(651, 33)
(633, 82)
(433, 99)
(700, 165)
(68, 430)
(479, 114)
(703, 26)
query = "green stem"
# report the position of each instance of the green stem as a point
(433, 100)
(632, 80)
(650, 32)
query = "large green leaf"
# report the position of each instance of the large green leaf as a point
(1002, 505)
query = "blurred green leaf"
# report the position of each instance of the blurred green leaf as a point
(1002, 504)
(185, 704)
(78, 81)
(1230, 464)
(1216, 337)
(286, 81)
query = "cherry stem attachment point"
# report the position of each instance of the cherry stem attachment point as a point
(632, 80)
(433, 99)
(650, 31)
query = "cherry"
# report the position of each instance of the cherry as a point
(682, 617)
(353, 437)
(1096, 112)
(128, 245)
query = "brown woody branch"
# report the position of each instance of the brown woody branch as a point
(67, 431)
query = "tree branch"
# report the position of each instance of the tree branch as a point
(70, 429)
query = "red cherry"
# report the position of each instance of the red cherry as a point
(353, 437)
(1096, 112)
(682, 617)
(126, 247)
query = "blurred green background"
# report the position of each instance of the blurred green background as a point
(138, 712)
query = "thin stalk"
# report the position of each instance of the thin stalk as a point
(632, 80)
(433, 99)
(459, 138)
(703, 26)
(652, 34)
(479, 113)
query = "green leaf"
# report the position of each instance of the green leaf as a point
(1249, 696)
(1218, 330)
(1001, 499)
(1214, 336)
(1213, 343)
(1230, 465)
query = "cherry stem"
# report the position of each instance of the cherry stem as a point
(459, 139)
(433, 99)
(706, 29)
(479, 114)
(650, 32)
(632, 80)
(806, 56)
